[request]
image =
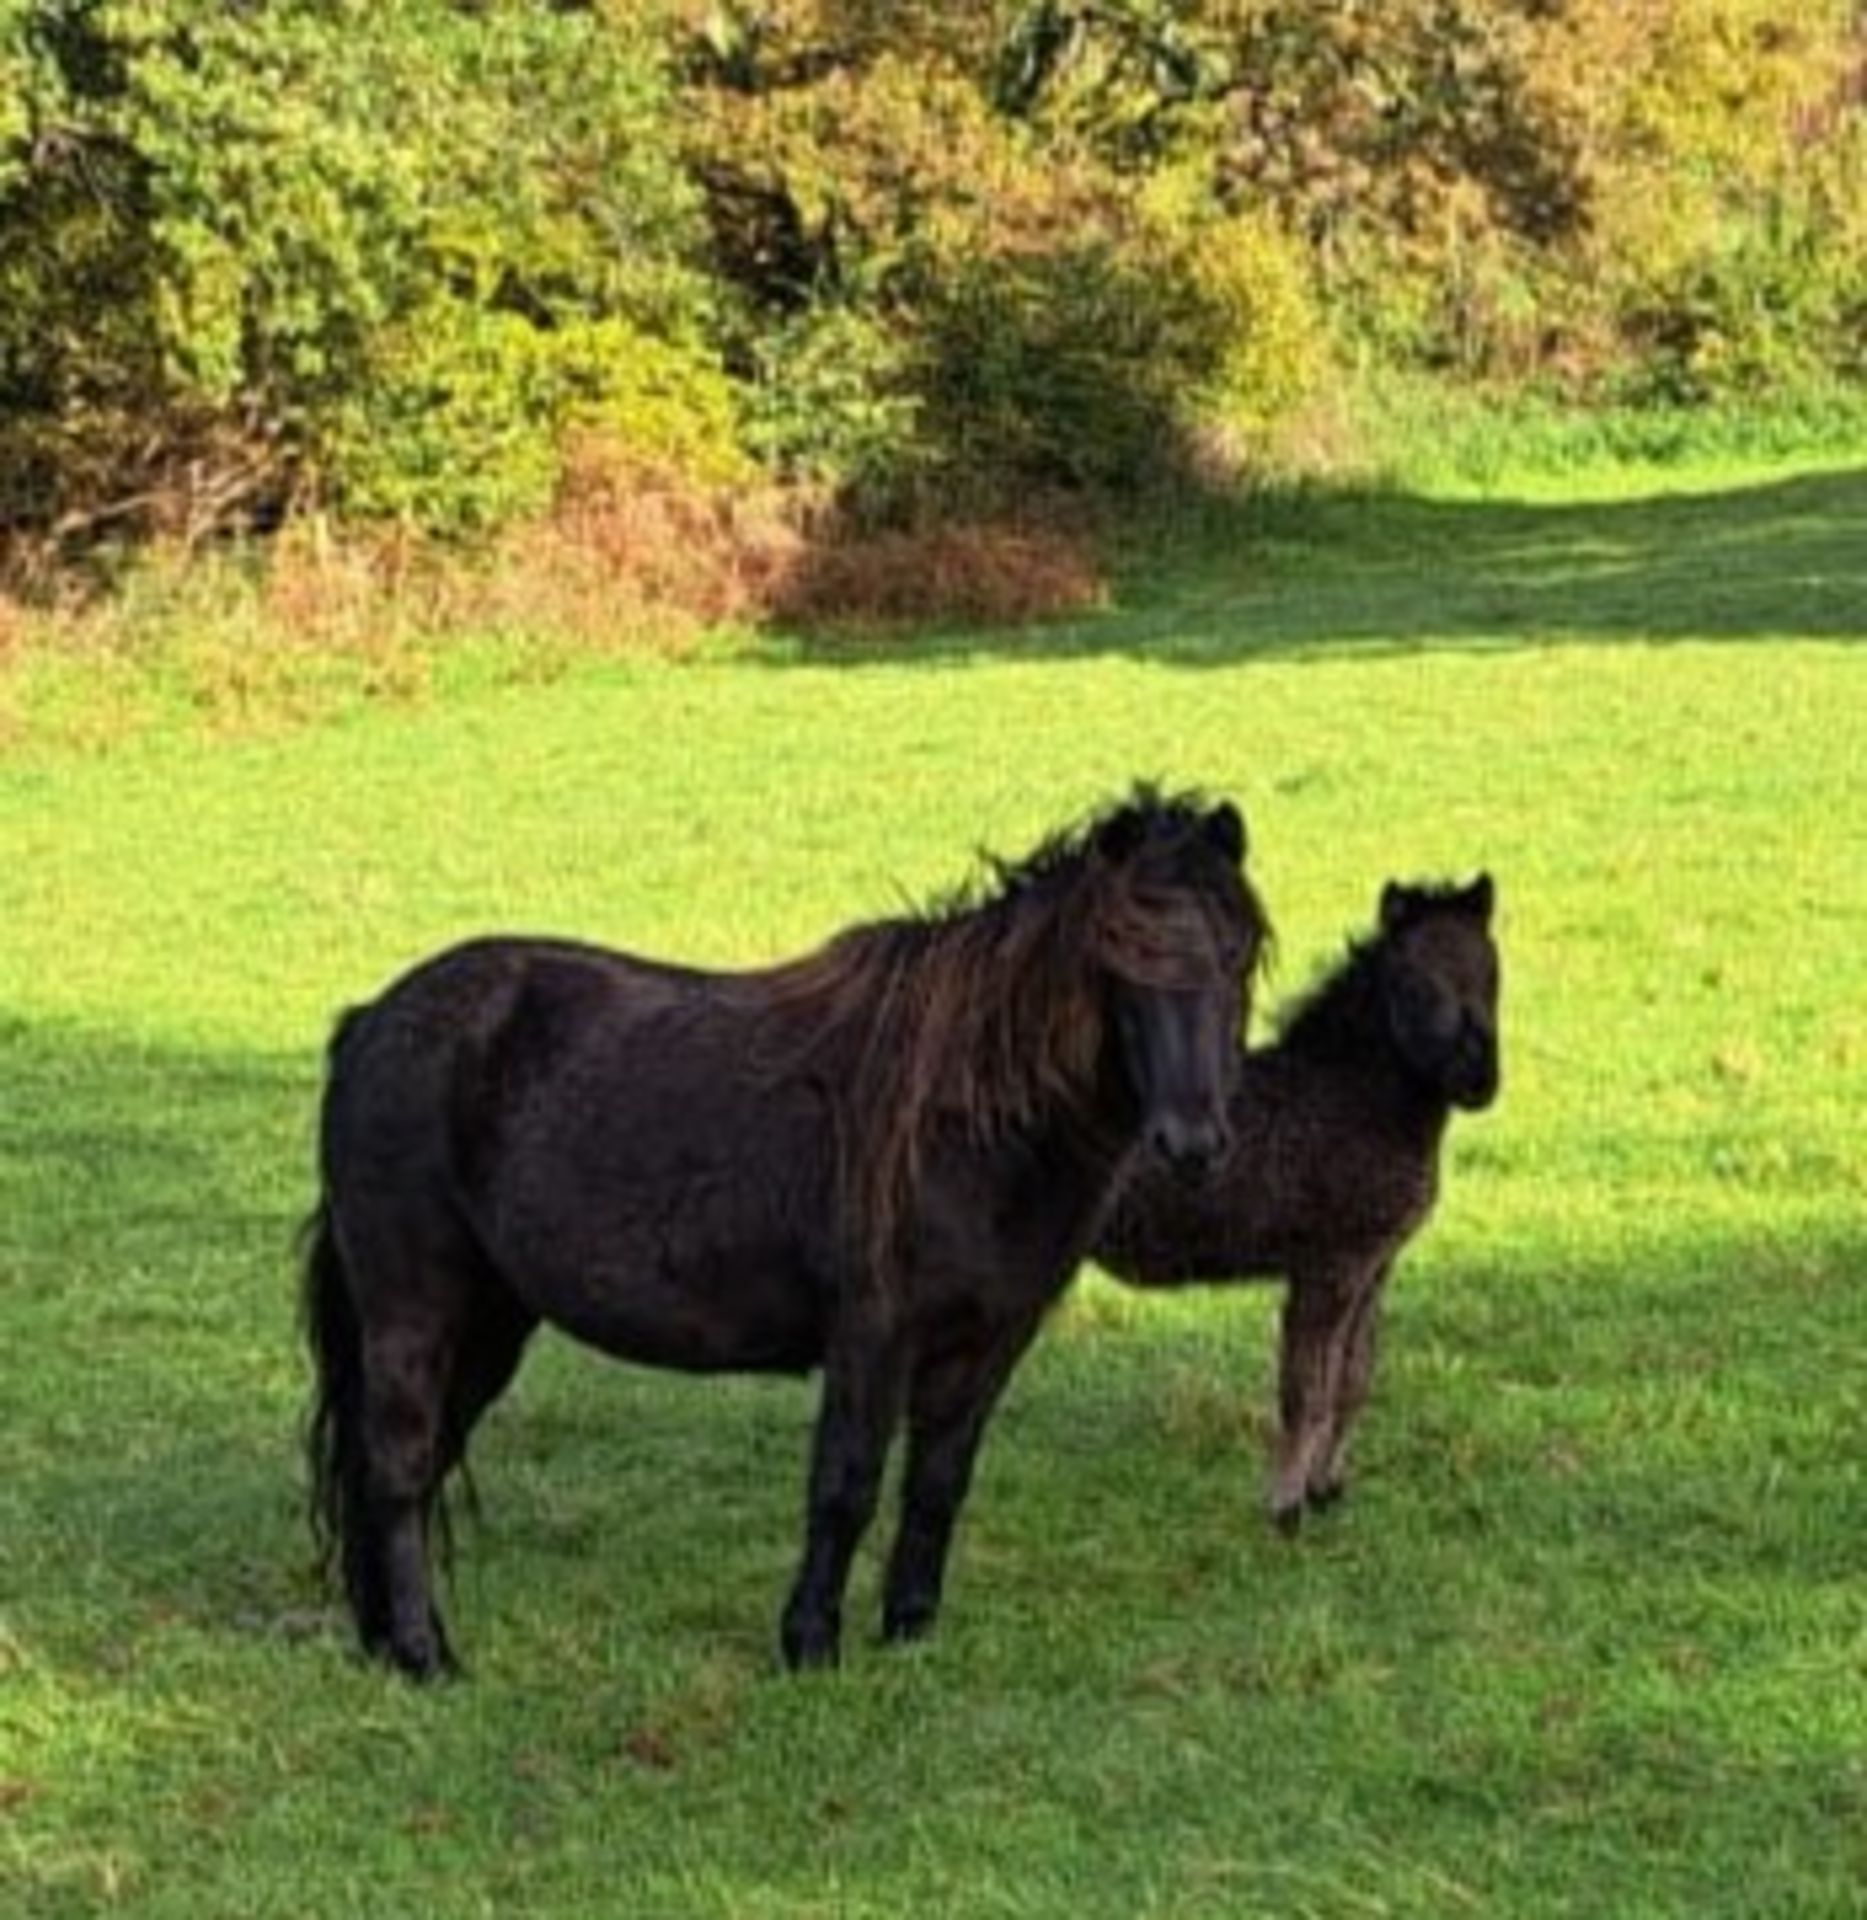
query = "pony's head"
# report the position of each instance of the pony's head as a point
(1439, 974)
(1096, 987)
(1178, 936)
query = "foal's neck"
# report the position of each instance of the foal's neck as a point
(1343, 1031)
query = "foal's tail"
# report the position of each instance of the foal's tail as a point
(334, 1433)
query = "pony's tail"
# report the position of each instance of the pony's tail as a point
(334, 1434)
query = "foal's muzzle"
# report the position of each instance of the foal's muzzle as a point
(1473, 1080)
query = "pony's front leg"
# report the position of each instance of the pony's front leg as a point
(951, 1397)
(1314, 1312)
(862, 1389)
(1354, 1374)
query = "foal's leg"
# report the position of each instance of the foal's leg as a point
(1355, 1372)
(862, 1387)
(951, 1396)
(1315, 1307)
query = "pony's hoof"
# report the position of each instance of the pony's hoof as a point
(809, 1645)
(1288, 1520)
(1328, 1495)
(420, 1657)
(903, 1624)
(425, 1666)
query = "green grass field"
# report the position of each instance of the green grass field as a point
(1590, 1635)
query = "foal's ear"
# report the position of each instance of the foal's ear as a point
(1225, 828)
(1396, 906)
(1479, 898)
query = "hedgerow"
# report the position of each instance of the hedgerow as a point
(395, 260)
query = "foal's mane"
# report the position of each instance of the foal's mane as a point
(978, 1010)
(1335, 1018)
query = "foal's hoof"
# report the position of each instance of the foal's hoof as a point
(1328, 1495)
(1288, 1520)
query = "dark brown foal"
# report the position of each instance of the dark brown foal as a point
(1334, 1164)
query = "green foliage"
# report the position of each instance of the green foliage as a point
(1423, 433)
(1074, 366)
(394, 258)
(1728, 252)
(1116, 357)
(1665, 198)
(406, 244)
(1004, 310)
(469, 412)
(1273, 345)
(16, 91)
(827, 400)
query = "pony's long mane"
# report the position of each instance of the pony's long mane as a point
(979, 1011)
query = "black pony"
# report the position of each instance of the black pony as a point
(885, 1159)
(1335, 1162)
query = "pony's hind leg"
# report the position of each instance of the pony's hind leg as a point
(405, 1367)
(430, 1357)
(428, 1384)
(487, 1355)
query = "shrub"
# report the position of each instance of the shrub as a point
(826, 399)
(402, 246)
(392, 259)
(1274, 348)
(937, 301)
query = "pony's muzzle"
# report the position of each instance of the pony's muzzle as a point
(1190, 1148)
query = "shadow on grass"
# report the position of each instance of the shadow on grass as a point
(111, 1149)
(157, 1382)
(148, 1201)
(1322, 573)
(1684, 1402)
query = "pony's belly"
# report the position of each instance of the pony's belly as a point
(748, 1316)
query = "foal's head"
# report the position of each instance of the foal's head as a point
(1177, 936)
(1439, 974)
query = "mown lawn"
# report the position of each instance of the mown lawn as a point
(1590, 1636)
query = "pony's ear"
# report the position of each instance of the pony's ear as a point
(1396, 906)
(1225, 828)
(1119, 837)
(1479, 898)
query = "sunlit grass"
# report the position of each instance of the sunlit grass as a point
(1588, 1637)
